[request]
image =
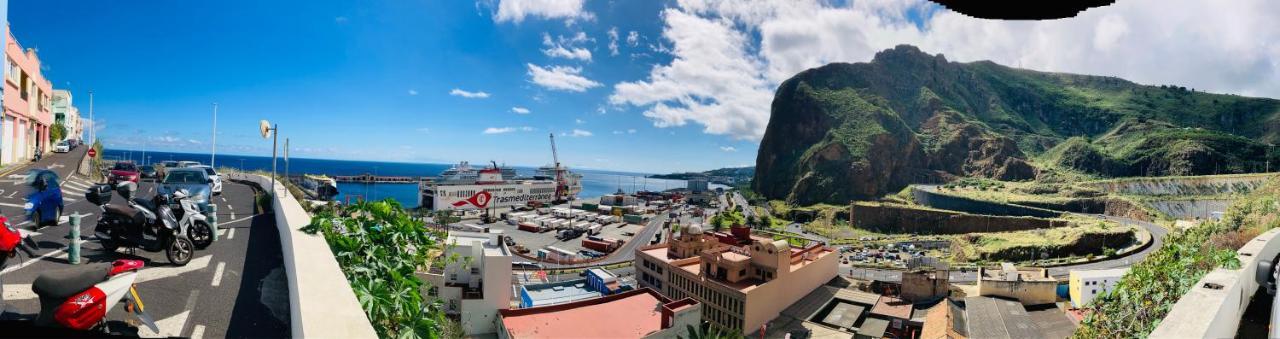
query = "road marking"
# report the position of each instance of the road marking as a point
(231, 208)
(75, 184)
(172, 326)
(68, 199)
(11, 205)
(34, 260)
(13, 292)
(224, 199)
(231, 233)
(197, 332)
(11, 194)
(156, 273)
(217, 274)
(235, 221)
(233, 215)
(18, 176)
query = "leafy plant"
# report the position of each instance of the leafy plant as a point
(708, 333)
(380, 247)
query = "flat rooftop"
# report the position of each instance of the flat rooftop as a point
(987, 317)
(559, 292)
(631, 315)
(694, 264)
(1094, 274)
(463, 238)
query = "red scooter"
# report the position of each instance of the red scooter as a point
(78, 297)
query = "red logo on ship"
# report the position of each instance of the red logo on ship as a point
(480, 200)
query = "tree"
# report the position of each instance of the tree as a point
(57, 132)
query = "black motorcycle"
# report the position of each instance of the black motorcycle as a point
(140, 223)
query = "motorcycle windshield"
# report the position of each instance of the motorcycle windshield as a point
(170, 221)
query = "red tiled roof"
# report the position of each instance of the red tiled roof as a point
(892, 307)
(628, 315)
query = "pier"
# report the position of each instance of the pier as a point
(377, 179)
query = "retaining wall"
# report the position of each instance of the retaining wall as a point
(1199, 185)
(1107, 206)
(956, 203)
(903, 219)
(321, 302)
(1214, 305)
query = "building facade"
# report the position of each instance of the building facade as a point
(1031, 286)
(1085, 285)
(742, 282)
(24, 129)
(641, 313)
(477, 285)
(66, 114)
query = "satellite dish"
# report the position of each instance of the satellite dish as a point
(265, 128)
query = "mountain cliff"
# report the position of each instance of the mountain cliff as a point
(845, 131)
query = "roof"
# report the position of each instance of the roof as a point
(893, 307)
(627, 315)
(998, 318)
(1097, 274)
(559, 292)
(844, 315)
(873, 327)
(812, 303)
(936, 323)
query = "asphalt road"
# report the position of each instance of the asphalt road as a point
(234, 288)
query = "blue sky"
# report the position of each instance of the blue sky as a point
(688, 87)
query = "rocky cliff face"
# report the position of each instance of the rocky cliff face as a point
(858, 131)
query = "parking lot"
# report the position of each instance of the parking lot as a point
(234, 288)
(534, 241)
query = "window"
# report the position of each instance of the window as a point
(13, 71)
(475, 270)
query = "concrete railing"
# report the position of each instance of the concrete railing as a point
(1214, 305)
(321, 302)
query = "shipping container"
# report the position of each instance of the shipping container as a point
(633, 218)
(528, 227)
(600, 246)
(590, 207)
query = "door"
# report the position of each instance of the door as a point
(6, 140)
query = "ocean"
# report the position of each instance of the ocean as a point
(595, 183)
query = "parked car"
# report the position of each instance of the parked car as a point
(216, 186)
(62, 147)
(149, 172)
(44, 204)
(123, 171)
(188, 163)
(169, 164)
(194, 180)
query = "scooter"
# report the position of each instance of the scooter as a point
(192, 219)
(140, 223)
(78, 297)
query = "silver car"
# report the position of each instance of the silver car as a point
(216, 186)
(194, 180)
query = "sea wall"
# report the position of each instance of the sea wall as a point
(929, 198)
(1198, 185)
(904, 219)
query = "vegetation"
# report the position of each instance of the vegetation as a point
(1146, 293)
(380, 247)
(707, 332)
(57, 132)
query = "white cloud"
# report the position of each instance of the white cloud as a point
(465, 94)
(613, 41)
(579, 121)
(760, 43)
(520, 110)
(415, 92)
(728, 149)
(616, 132)
(517, 10)
(631, 131)
(566, 47)
(424, 130)
(503, 130)
(562, 78)
(633, 38)
(576, 133)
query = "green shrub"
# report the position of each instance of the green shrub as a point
(380, 247)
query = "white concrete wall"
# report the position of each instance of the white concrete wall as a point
(324, 306)
(1215, 312)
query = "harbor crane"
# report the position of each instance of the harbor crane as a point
(562, 186)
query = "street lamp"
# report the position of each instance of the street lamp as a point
(274, 130)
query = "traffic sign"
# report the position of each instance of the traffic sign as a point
(93, 153)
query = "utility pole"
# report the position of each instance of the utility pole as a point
(213, 156)
(93, 124)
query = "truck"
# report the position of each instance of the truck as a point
(530, 227)
(604, 246)
(633, 218)
(594, 229)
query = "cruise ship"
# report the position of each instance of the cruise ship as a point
(572, 180)
(491, 187)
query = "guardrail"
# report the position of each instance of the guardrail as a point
(1214, 305)
(321, 302)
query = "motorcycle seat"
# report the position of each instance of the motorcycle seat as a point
(128, 211)
(64, 283)
(145, 203)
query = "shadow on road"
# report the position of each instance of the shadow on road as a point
(262, 307)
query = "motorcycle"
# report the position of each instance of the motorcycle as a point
(192, 219)
(140, 223)
(78, 298)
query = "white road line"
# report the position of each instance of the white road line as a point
(68, 199)
(217, 274)
(34, 260)
(224, 199)
(197, 332)
(74, 184)
(233, 215)
(172, 326)
(11, 205)
(231, 233)
(155, 273)
(231, 208)
(14, 292)
(235, 221)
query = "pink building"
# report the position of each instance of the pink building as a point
(27, 110)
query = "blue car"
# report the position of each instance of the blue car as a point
(44, 204)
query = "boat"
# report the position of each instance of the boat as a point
(491, 187)
(463, 172)
(573, 181)
(320, 187)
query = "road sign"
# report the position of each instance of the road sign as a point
(93, 153)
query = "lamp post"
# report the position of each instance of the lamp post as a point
(274, 130)
(213, 155)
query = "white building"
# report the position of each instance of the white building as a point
(1088, 284)
(478, 284)
(66, 113)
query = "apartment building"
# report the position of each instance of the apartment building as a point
(66, 114)
(27, 109)
(639, 313)
(1030, 285)
(475, 285)
(1085, 285)
(742, 280)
